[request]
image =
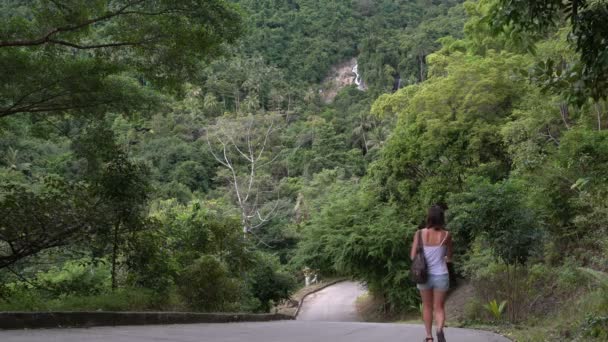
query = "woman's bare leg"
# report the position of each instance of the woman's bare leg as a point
(439, 308)
(427, 311)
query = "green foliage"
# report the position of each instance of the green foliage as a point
(495, 309)
(52, 212)
(447, 130)
(595, 326)
(354, 235)
(87, 58)
(193, 175)
(121, 300)
(199, 228)
(150, 264)
(282, 31)
(513, 143)
(391, 58)
(525, 23)
(83, 277)
(268, 283)
(509, 227)
(305, 39)
(207, 285)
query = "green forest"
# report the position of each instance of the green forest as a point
(184, 156)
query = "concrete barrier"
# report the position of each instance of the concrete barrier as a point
(32, 320)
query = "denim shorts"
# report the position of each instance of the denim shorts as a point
(439, 282)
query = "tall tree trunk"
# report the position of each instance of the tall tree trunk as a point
(421, 61)
(237, 101)
(115, 254)
(565, 114)
(599, 116)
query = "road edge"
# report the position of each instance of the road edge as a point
(333, 282)
(37, 320)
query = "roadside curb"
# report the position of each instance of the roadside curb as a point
(333, 282)
(35, 320)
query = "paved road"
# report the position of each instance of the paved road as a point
(333, 304)
(282, 331)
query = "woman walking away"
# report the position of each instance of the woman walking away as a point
(437, 247)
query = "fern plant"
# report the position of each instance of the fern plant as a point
(496, 309)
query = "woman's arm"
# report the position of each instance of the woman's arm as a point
(414, 246)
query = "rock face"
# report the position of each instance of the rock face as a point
(340, 76)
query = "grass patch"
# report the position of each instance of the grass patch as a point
(581, 318)
(576, 321)
(120, 300)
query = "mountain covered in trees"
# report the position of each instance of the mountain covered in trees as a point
(181, 155)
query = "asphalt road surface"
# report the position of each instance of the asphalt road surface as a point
(335, 305)
(280, 331)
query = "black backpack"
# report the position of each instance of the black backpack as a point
(418, 270)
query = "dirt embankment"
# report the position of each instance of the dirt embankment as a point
(372, 309)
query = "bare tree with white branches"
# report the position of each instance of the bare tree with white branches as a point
(244, 146)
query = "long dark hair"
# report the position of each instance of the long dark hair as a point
(435, 218)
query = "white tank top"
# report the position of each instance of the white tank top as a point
(435, 258)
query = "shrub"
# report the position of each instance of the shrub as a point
(354, 234)
(596, 326)
(28, 299)
(127, 299)
(498, 213)
(531, 290)
(206, 285)
(151, 265)
(496, 309)
(76, 278)
(268, 283)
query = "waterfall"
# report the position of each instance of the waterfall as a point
(358, 80)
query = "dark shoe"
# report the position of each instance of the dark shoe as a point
(428, 339)
(440, 336)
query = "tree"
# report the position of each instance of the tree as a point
(82, 56)
(124, 188)
(267, 282)
(527, 21)
(447, 129)
(498, 214)
(121, 185)
(207, 285)
(52, 213)
(244, 146)
(351, 232)
(242, 85)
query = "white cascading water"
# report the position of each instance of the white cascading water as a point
(358, 81)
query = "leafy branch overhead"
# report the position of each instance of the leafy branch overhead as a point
(96, 55)
(31, 221)
(529, 21)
